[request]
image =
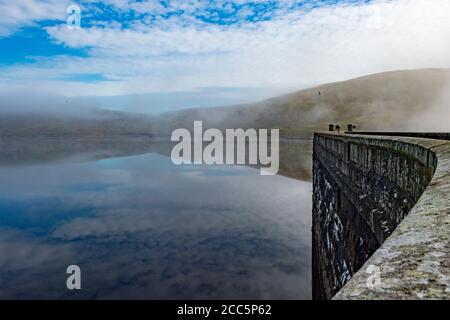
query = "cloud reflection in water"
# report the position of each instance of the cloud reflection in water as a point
(140, 227)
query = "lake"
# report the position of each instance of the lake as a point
(140, 227)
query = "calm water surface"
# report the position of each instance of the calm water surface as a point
(141, 227)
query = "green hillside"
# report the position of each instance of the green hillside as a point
(385, 101)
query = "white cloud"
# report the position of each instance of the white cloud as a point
(292, 50)
(19, 13)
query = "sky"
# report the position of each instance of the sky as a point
(153, 56)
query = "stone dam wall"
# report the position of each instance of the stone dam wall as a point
(381, 216)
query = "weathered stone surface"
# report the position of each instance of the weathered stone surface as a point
(364, 187)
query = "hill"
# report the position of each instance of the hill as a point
(413, 100)
(395, 100)
(92, 123)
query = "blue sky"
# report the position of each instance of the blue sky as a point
(153, 56)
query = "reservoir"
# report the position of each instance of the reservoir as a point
(141, 227)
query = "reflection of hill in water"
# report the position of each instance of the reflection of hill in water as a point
(39, 151)
(296, 159)
(295, 155)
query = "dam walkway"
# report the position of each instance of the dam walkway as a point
(381, 215)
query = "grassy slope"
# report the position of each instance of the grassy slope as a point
(385, 101)
(382, 101)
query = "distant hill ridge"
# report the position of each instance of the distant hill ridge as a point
(384, 101)
(394, 101)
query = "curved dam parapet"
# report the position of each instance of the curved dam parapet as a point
(381, 216)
